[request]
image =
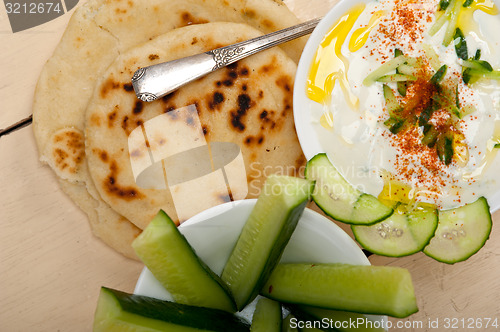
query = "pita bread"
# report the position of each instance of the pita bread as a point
(97, 33)
(106, 224)
(248, 103)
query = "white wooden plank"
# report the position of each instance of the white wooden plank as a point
(51, 265)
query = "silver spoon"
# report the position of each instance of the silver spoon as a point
(153, 82)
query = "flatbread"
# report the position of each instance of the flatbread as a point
(106, 224)
(100, 30)
(97, 33)
(248, 104)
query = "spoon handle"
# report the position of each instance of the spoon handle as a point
(153, 82)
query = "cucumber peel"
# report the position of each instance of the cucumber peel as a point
(339, 199)
(118, 311)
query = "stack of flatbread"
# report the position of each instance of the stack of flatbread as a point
(85, 109)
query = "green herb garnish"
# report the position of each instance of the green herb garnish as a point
(460, 44)
(467, 3)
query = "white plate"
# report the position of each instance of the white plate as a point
(214, 232)
(306, 132)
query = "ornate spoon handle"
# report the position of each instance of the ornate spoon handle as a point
(153, 82)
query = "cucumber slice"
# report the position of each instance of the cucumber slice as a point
(118, 312)
(267, 316)
(384, 69)
(265, 235)
(404, 233)
(335, 320)
(394, 78)
(384, 290)
(339, 199)
(461, 232)
(170, 258)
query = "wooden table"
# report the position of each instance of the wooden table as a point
(51, 266)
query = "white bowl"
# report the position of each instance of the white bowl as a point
(306, 132)
(214, 232)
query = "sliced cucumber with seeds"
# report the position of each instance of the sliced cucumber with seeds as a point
(265, 235)
(461, 232)
(267, 316)
(404, 233)
(367, 289)
(170, 258)
(339, 199)
(118, 312)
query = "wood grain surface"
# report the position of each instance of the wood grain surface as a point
(51, 266)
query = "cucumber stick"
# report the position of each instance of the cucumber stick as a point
(170, 258)
(267, 316)
(404, 233)
(383, 290)
(119, 311)
(461, 232)
(339, 199)
(265, 235)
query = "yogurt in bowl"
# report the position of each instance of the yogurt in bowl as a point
(340, 112)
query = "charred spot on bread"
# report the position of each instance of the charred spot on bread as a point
(285, 83)
(125, 123)
(112, 117)
(268, 24)
(103, 155)
(188, 19)
(216, 100)
(244, 71)
(107, 86)
(138, 106)
(244, 103)
(249, 140)
(69, 150)
(153, 57)
(113, 188)
(128, 87)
